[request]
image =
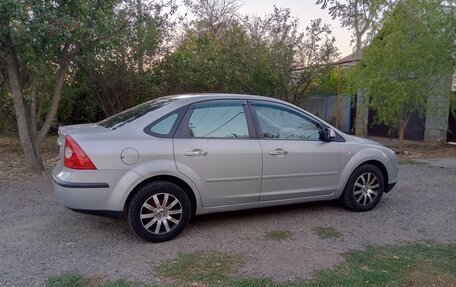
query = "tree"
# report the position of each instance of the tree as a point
(213, 15)
(361, 16)
(267, 56)
(223, 62)
(39, 40)
(413, 51)
(119, 73)
(301, 61)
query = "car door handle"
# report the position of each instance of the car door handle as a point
(195, 152)
(278, 151)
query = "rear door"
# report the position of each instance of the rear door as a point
(297, 162)
(216, 148)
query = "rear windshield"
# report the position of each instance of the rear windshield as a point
(127, 116)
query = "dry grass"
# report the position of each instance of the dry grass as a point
(12, 161)
(418, 149)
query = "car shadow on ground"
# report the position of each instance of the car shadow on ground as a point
(72, 223)
(266, 212)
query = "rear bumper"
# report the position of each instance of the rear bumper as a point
(88, 197)
(67, 184)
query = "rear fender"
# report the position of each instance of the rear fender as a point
(143, 172)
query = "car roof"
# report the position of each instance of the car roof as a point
(211, 96)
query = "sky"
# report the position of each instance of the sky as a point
(304, 10)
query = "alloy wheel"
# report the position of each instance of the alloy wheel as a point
(161, 213)
(366, 188)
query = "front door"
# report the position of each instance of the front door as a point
(215, 147)
(297, 162)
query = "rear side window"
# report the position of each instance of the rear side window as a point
(134, 113)
(218, 120)
(164, 126)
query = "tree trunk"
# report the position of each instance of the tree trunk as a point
(358, 45)
(140, 36)
(402, 127)
(57, 95)
(32, 161)
(30, 138)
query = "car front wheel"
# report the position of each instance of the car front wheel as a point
(159, 211)
(364, 188)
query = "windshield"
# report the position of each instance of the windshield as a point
(127, 116)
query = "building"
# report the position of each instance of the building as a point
(438, 125)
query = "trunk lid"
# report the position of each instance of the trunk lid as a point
(74, 131)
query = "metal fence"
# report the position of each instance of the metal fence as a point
(325, 107)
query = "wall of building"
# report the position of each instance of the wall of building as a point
(436, 125)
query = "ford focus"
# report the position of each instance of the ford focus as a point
(163, 161)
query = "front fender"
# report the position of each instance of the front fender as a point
(352, 161)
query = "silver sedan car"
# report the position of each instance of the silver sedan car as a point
(165, 160)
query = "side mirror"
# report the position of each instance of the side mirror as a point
(330, 135)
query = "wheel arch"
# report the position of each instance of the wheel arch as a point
(378, 165)
(367, 156)
(169, 178)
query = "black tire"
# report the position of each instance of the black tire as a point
(362, 197)
(143, 205)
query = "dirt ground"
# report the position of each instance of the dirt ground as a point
(12, 161)
(40, 238)
(415, 149)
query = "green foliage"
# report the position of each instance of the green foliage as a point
(39, 40)
(279, 235)
(453, 103)
(42, 32)
(77, 280)
(120, 57)
(209, 268)
(412, 264)
(117, 74)
(403, 64)
(266, 56)
(329, 86)
(67, 280)
(7, 117)
(327, 232)
(227, 62)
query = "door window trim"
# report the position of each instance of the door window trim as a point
(183, 131)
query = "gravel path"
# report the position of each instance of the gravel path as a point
(39, 238)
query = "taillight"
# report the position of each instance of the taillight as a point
(74, 157)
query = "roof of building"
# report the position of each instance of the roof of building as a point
(349, 61)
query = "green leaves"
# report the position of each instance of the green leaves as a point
(410, 54)
(268, 56)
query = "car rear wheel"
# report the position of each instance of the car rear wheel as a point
(364, 188)
(159, 211)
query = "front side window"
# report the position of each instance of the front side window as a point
(218, 120)
(280, 122)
